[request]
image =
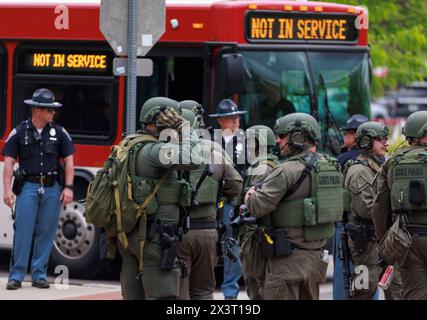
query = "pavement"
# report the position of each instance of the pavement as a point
(102, 289)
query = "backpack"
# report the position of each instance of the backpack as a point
(110, 203)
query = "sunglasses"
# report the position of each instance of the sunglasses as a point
(50, 110)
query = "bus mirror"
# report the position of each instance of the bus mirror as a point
(232, 73)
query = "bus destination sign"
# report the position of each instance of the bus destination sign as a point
(276, 27)
(66, 62)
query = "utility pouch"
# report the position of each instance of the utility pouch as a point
(170, 248)
(18, 182)
(266, 242)
(416, 192)
(310, 212)
(360, 236)
(282, 246)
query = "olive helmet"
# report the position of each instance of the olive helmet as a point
(192, 105)
(263, 134)
(189, 116)
(152, 107)
(298, 122)
(416, 125)
(368, 132)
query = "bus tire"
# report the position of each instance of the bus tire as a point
(78, 244)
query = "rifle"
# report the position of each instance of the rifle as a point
(330, 123)
(344, 254)
(227, 241)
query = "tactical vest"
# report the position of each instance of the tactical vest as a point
(347, 197)
(206, 195)
(318, 212)
(408, 191)
(271, 162)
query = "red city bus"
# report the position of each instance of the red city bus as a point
(272, 57)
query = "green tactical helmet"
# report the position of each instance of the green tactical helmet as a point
(298, 120)
(192, 105)
(189, 116)
(368, 131)
(151, 108)
(416, 125)
(267, 134)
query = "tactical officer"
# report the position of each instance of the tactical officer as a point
(359, 174)
(301, 222)
(349, 151)
(199, 245)
(401, 191)
(232, 139)
(262, 160)
(37, 144)
(160, 270)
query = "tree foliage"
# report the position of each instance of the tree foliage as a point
(398, 40)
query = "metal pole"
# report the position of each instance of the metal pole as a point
(131, 72)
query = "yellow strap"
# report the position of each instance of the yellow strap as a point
(120, 234)
(153, 193)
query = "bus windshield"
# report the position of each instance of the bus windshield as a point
(282, 82)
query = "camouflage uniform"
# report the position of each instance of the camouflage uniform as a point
(157, 283)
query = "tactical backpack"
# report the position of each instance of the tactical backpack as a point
(408, 191)
(117, 198)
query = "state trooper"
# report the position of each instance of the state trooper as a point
(262, 160)
(359, 174)
(302, 213)
(37, 144)
(401, 192)
(159, 281)
(232, 139)
(198, 248)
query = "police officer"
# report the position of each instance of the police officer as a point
(199, 245)
(37, 144)
(262, 160)
(295, 267)
(359, 174)
(401, 189)
(158, 162)
(232, 139)
(349, 151)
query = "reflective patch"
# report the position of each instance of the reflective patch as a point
(11, 134)
(67, 134)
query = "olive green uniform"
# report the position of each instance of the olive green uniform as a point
(414, 270)
(298, 275)
(256, 174)
(157, 283)
(198, 248)
(358, 181)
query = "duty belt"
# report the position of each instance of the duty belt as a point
(46, 180)
(202, 224)
(417, 231)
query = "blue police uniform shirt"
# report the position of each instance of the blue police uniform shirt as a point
(38, 153)
(351, 154)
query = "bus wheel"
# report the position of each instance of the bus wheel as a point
(77, 243)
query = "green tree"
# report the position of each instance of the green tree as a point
(397, 36)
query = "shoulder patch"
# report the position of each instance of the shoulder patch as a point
(11, 134)
(67, 134)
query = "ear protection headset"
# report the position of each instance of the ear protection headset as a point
(365, 141)
(297, 137)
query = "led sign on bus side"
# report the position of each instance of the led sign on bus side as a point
(287, 27)
(69, 61)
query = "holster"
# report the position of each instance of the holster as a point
(18, 181)
(282, 246)
(61, 175)
(360, 234)
(170, 246)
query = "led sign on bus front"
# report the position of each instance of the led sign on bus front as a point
(69, 61)
(285, 27)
